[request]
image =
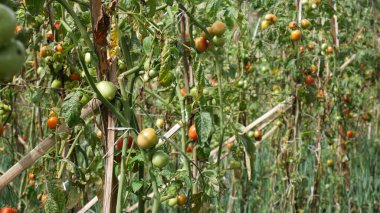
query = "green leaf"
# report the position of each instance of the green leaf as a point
(147, 45)
(37, 96)
(34, 6)
(203, 125)
(136, 185)
(71, 108)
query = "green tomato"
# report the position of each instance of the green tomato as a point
(172, 201)
(194, 92)
(12, 58)
(160, 123)
(160, 159)
(56, 84)
(87, 58)
(235, 164)
(218, 41)
(146, 77)
(152, 73)
(8, 25)
(107, 89)
(85, 99)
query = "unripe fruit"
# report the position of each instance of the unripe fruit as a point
(160, 159)
(87, 58)
(147, 138)
(160, 123)
(107, 89)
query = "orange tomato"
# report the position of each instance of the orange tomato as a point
(183, 92)
(19, 28)
(295, 35)
(193, 133)
(52, 122)
(59, 48)
(350, 134)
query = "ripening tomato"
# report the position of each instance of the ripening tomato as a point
(292, 25)
(218, 28)
(349, 134)
(74, 76)
(50, 36)
(59, 48)
(313, 68)
(19, 28)
(119, 144)
(309, 80)
(295, 35)
(265, 24)
(271, 18)
(182, 198)
(160, 123)
(346, 98)
(248, 67)
(302, 49)
(230, 145)
(201, 44)
(183, 92)
(52, 122)
(31, 175)
(257, 134)
(193, 133)
(8, 210)
(147, 138)
(305, 23)
(329, 50)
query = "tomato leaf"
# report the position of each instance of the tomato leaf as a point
(147, 44)
(72, 108)
(136, 185)
(34, 6)
(203, 125)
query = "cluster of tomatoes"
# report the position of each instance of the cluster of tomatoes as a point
(12, 51)
(216, 31)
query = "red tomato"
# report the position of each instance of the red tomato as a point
(1, 129)
(189, 149)
(193, 133)
(52, 122)
(309, 80)
(8, 210)
(74, 76)
(119, 144)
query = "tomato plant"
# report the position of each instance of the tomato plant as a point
(232, 106)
